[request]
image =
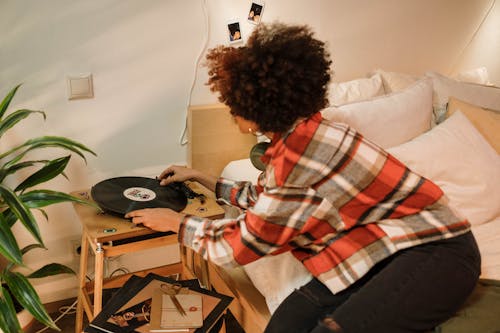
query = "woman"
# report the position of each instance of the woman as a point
(387, 253)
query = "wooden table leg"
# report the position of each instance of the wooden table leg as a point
(98, 278)
(81, 283)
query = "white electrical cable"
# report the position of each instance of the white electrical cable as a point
(183, 141)
(124, 271)
(65, 312)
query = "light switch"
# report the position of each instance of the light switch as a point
(80, 86)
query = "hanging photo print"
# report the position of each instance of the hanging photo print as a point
(255, 13)
(234, 31)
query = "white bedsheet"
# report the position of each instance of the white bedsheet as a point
(488, 239)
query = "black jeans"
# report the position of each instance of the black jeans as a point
(412, 291)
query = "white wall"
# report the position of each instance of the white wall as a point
(484, 47)
(142, 55)
(405, 36)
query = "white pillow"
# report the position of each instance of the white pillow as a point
(484, 96)
(477, 75)
(355, 90)
(488, 237)
(394, 81)
(241, 170)
(391, 119)
(458, 159)
(275, 277)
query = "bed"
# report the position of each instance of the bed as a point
(444, 128)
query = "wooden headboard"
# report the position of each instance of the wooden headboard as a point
(214, 139)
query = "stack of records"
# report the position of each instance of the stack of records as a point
(130, 308)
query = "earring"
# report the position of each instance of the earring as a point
(254, 132)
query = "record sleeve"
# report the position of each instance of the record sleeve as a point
(121, 195)
(127, 311)
(165, 317)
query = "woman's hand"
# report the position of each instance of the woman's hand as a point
(159, 219)
(176, 173)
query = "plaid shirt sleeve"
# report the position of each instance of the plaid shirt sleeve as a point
(267, 226)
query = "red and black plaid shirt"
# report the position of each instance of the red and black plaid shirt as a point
(337, 201)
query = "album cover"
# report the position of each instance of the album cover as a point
(165, 315)
(129, 309)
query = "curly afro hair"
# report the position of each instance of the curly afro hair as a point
(279, 76)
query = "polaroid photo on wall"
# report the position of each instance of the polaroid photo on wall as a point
(255, 12)
(234, 31)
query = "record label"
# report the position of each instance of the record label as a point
(139, 194)
(121, 195)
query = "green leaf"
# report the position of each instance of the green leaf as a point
(45, 142)
(30, 247)
(8, 318)
(44, 213)
(4, 172)
(8, 244)
(21, 211)
(51, 269)
(9, 217)
(50, 170)
(26, 295)
(7, 99)
(42, 198)
(16, 117)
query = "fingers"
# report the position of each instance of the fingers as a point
(159, 219)
(132, 214)
(136, 216)
(143, 221)
(171, 174)
(168, 180)
(168, 172)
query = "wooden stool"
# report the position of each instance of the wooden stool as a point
(109, 236)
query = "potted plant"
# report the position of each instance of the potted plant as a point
(16, 205)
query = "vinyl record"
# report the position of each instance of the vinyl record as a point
(121, 195)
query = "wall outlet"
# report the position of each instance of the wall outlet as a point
(76, 247)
